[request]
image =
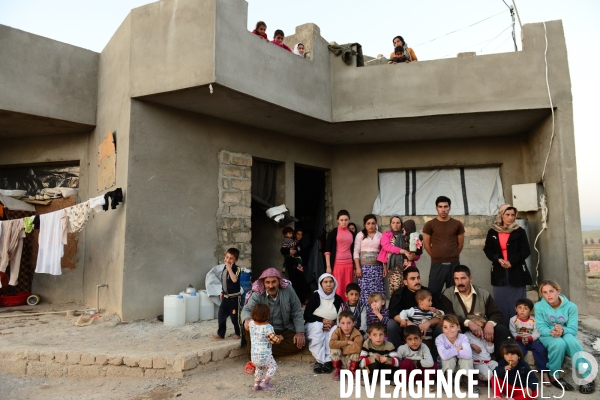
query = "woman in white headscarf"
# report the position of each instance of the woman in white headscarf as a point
(320, 317)
(507, 247)
(299, 49)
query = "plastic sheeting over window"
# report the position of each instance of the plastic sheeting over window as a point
(35, 178)
(473, 191)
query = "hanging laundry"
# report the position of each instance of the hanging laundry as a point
(52, 238)
(76, 217)
(96, 203)
(11, 247)
(28, 223)
(116, 197)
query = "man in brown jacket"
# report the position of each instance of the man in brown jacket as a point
(345, 345)
(464, 298)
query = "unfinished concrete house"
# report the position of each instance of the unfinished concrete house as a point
(205, 113)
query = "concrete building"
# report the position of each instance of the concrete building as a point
(195, 99)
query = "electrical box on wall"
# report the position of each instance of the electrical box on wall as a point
(526, 197)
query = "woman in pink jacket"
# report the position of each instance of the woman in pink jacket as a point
(394, 255)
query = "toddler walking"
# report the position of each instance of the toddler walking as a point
(262, 337)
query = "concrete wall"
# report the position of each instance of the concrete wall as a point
(43, 77)
(172, 46)
(355, 183)
(173, 200)
(105, 232)
(67, 287)
(456, 85)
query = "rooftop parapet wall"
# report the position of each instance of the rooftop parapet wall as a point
(496, 82)
(47, 78)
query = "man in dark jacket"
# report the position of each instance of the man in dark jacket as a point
(464, 299)
(404, 299)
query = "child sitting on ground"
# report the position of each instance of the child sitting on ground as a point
(377, 353)
(376, 312)
(278, 40)
(345, 344)
(289, 243)
(482, 350)
(262, 337)
(524, 330)
(261, 30)
(414, 353)
(356, 306)
(454, 347)
(230, 295)
(424, 312)
(511, 373)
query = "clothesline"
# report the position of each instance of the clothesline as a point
(53, 228)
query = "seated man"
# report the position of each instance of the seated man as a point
(286, 312)
(404, 299)
(465, 298)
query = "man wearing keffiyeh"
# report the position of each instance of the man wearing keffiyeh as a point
(286, 312)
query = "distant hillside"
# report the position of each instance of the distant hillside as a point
(591, 235)
(590, 227)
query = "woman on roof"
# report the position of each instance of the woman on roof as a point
(409, 53)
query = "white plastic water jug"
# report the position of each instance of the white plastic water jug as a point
(174, 310)
(206, 306)
(192, 307)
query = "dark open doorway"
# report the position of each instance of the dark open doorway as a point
(309, 209)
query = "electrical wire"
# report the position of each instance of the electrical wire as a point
(500, 45)
(458, 30)
(476, 44)
(490, 42)
(543, 199)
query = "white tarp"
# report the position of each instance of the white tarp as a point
(473, 191)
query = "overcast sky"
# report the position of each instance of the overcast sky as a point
(91, 23)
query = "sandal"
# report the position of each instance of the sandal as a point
(249, 368)
(560, 383)
(588, 388)
(327, 367)
(318, 369)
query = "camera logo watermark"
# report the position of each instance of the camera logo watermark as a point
(586, 362)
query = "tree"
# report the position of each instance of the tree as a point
(586, 241)
(592, 241)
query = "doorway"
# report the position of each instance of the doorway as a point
(309, 199)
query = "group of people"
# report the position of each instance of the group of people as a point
(452, 324)
(401, 54)
(261, 31)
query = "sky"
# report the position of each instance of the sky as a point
(483, 26)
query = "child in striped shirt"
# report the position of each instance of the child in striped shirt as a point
(424, 312)
(377, 353)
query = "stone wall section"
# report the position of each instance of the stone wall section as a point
(234, 212)
(476, 226)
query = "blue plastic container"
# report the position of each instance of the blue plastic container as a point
(245, 281)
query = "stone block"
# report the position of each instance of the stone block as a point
(224, 157)
(124, 372)
(242, 237)
(131, 361)
(159, 362)
(46, 356)
(240, 211)
(88, 371)
(101, 359)
(14, 367)
(204, 357)
(232, 171)
(247, 223)
(231, 197)
(385, 223)
(240, 184)
(220, 354)
(115, 360)
(427, 218)
(460, 218)
(231, 223)
(244, 160)
(56, 370)
(32, 355)
(477, 242)
(224, 235)
(237, 352)
(472, 231)
(225, 183)
(162, 373)
(145, 362)
(247, 173)
(87, 359)
(466, 54)
(60, 357)
(36, 368)
(185, 362)
(245, 263)
(73, 357)
(247, 198)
